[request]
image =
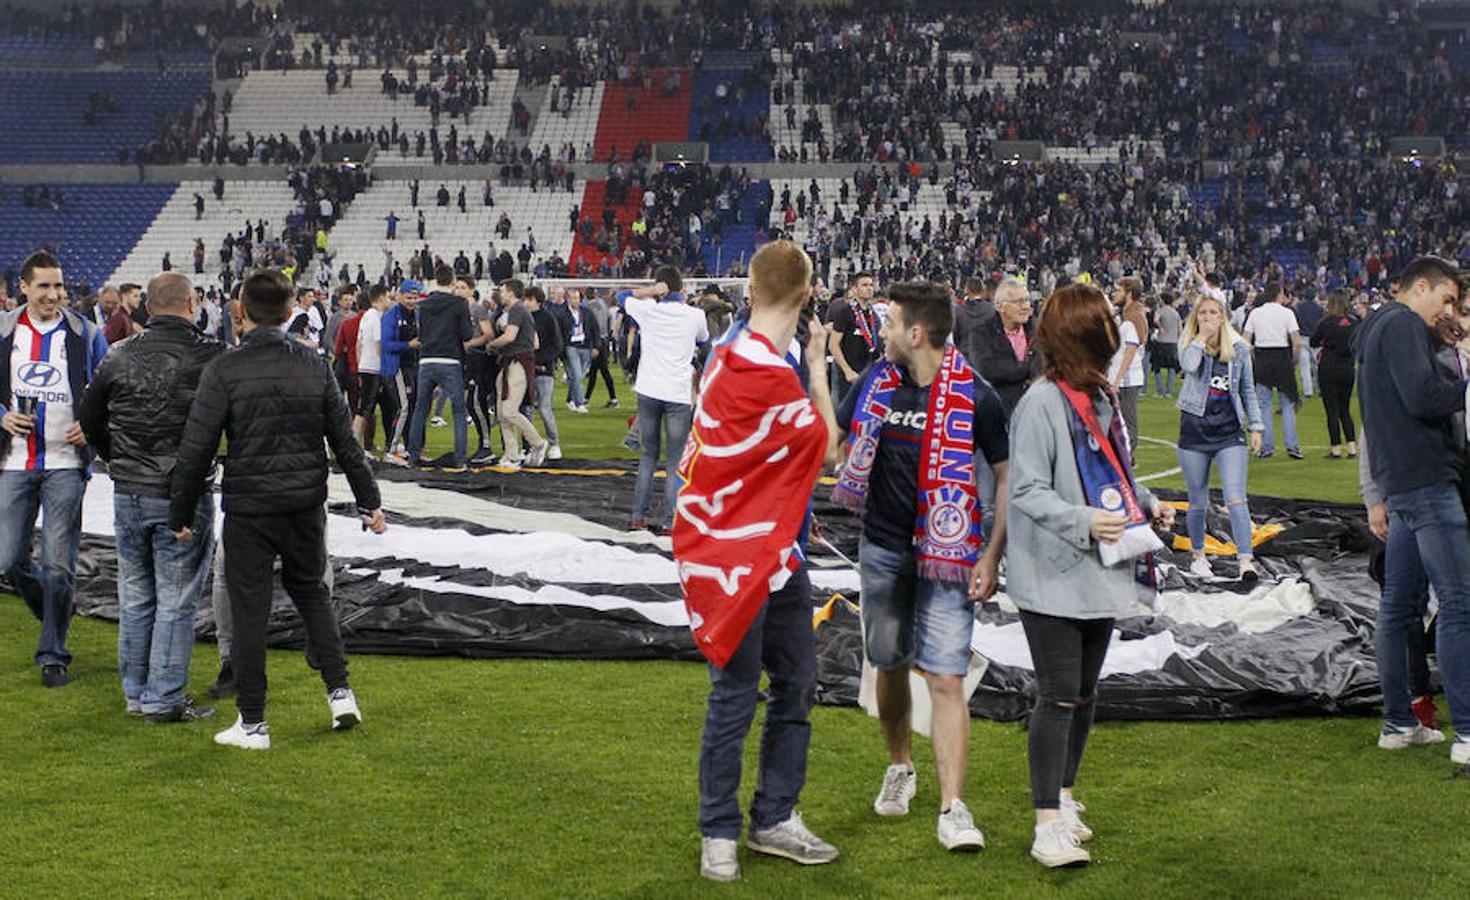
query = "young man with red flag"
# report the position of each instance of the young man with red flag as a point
(917, 417)
(757, 446)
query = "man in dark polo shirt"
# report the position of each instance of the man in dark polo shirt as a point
(853, 332)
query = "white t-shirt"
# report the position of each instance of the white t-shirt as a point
(370, 343)
(668, 331)
(1272, 324)
(1128, 337)
(38, 372)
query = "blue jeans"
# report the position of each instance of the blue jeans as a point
(909, 621)
(779, 641)
(1306, 363)
(159, 582)
(448, 377)
(1162, 386)
(1232, 462)
(674, 419)
(1288, 420)
(579, 361)
(545, 401)
(1427, 536)
(49, 590)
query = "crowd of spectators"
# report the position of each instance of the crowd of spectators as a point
(1349, 220)
(1209, 80)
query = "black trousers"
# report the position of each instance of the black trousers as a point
(599, 365)
(1337, 396)
(252, 544)
(480, 396)
(1068, 656)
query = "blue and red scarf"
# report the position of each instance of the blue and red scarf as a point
(1107, 479)
(947, 529)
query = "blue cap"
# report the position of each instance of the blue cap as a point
(412, 286)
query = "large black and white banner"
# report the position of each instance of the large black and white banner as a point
(540, 565)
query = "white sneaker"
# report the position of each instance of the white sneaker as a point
(554, 452)
(582, 408)
(957, 829)
(717, 860)
(513, 465)
(791, 840)
(899, 785)
(345, 713)
(438, 422)
(1200, 568)
(1460, 750)
(1071, 814)
(1395, 737)
(1055, 845)
(537, 455)
(571, 407)
(246, 737)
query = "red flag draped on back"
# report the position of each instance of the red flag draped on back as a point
(753, 456)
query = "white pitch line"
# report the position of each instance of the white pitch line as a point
(1167, 472)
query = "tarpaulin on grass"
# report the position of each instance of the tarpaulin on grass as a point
(533, 564)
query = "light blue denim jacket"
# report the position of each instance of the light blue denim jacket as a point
(1194, 392)
(1052, 564)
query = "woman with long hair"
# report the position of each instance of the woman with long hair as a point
(1217, 404)
(1079, 533)
(1335, 371)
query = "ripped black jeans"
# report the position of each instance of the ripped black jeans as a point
(1067, 655)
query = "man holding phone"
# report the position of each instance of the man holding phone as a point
(47, 356)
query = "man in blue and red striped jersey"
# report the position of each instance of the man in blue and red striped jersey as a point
(47, 356)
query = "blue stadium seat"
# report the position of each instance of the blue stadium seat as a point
(43, 112)
(90, 234)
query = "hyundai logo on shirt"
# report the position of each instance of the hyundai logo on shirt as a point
(40, 375)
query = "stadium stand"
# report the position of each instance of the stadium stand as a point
(174, 229)
(92, 231)
(50, 109)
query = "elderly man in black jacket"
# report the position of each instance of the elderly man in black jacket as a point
(133, 414)
(1003, 347)
(276, 401)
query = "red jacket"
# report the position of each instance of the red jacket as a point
(345, 346)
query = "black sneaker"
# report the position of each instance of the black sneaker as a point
(55, 675)
(1295, 453)
(224, 686)
(183, 712)
(611, 404)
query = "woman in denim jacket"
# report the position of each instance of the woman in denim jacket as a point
(1217, 403)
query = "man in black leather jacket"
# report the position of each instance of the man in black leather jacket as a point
(133, 414)
(276, 401)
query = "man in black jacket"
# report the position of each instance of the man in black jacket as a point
(549, 347)
(275, 400)
(133, 415)
(1003, 348)
(1408, 418)
(444, 328)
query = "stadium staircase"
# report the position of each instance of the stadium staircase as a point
(594, 200)
(174, 229)
(654, 117)
(738, 241)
